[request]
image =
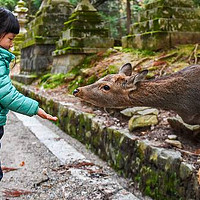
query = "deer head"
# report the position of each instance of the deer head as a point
(113, 90)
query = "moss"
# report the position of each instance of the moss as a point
(158, 184)
(140, 52)
(52, 80)
(89, 16)
(75, 83)
(91, 79)
(112, 69)
(119, 161)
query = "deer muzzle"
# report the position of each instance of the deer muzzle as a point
(75, 92)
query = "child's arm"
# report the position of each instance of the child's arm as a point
(44, 115)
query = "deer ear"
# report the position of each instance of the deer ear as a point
(132, 81)
(140, 76)
(126, 69)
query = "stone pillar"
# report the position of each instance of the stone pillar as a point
(42, 33)
(164, 24)
(20, 12)
(83, 34)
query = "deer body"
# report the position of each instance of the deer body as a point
(179, 92)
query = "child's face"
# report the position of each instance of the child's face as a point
(6, 41)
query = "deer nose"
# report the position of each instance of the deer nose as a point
(75, 92)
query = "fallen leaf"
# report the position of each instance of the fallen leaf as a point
(157, 63)
(197, 151)
(15, 192)
(22, 163)
(8, 169)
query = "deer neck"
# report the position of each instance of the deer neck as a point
(157, 93)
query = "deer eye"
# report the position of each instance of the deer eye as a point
(124, 83)
(106, 87)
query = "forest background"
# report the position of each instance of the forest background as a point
(118, 15)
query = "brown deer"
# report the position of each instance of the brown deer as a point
(179, 92)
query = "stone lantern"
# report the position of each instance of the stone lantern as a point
(20, 12)
(84, 34)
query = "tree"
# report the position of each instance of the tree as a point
(33, 5)
(97, 3)
(128, 15)
(9, 4)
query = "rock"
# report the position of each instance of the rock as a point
(174, 143)
(172, 137)
(149, 111)
(179, 125)
(139, 110)
(186, 170)
(138, 121)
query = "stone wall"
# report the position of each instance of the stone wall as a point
(158, 172)
(164, 24)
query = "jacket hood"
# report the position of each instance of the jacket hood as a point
(6, 54)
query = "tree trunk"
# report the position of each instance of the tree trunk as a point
(128, 14)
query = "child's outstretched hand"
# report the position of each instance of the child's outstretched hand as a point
(44, 115)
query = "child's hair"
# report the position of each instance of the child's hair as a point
(8, 22)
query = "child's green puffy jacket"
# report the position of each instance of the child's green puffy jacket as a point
(10, 98)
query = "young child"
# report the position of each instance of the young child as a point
(10, 98)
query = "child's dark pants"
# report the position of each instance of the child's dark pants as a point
(1, 134)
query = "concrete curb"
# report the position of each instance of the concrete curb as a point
(158, 172)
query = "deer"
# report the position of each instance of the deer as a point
(178, 92)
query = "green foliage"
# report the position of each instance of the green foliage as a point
(9, 4)
(50, 81)
(112, 69)
(32, 5)
(139, 52)
(92, 79)
(197, 2)
(74, 2)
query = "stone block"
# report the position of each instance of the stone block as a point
(152, 40)
(36, 58)
(64, 63)
(23, 78)
(166, 24)
(139, 121)
(168, 12)
(183, 38)
(170, 3)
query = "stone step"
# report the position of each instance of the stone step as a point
(88, 42)
(178, 3)
(165, 24)
(84, 24)
(156, 40)
(168, 12)
(78, 32)
(85, 16)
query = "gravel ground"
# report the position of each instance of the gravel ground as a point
(42, 174)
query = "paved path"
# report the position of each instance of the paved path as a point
(53, 166)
